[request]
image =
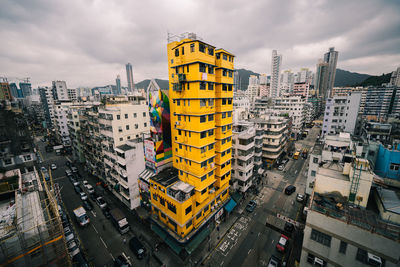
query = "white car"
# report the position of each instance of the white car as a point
(69, 235)
(300, 197)
(76, 183)
(73, 248)
(74, 169)
(100, 201)
(85, 183)
(68, 172)
(90, 189)
(53, 166)
(281, 167)
(83, 195)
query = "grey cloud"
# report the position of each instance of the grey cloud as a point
(88, 42)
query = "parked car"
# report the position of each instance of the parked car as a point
(68, 172)
(122, 261)
(281, 167)
(282, 243)
(100, 201)
(289, 227)
(85, 183)
(69, 235)
(53, 166)
(78, 189)
(73, 248)
(79, 260)
(90, 189)
(284, 161)
(273, 262)
(251, 206)
(290, 189)
(300, 198)
(76, 182)
(43, 169)
(106, 212)
(83, 195)
(71, 179)
(137, 247)
(74, 169)
(93, 195)
(87, 205)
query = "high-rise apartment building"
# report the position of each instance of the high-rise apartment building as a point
(129, 77)
(341, 113)
(321, 79)
(26, 88)
(60, 91)
(5, 92)
(253, 89)
(276, 62)
(201, 92)
(380, 102)
(118, 83)
(331, 58)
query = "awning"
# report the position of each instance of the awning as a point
(237, 197)
(158, 231)
(146, 174)
(230, 205)
(196, 241)
(164, 236)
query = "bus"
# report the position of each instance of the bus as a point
(296, 155)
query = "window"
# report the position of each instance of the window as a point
(224, 56)
(211, 117)
(126, 116)
(183, 50)
(362, 255)
(315, 160)
(210, 146)
(203, 134)
(202, 48)
(176, 52)
(144, 114)
(118, 117)
(192, 48)
(343, 247)
(210, 132)
(210, 51)
(203, 85)
(202, 119)
(313, 173)
(202, 67)
(210, 86)
(134, 115)
(202, 102)
(171, 207)
(322, 238)
(188, 209)
(162, 201)
(145, 124)
(394, 167)
(198, 215)
(136, 126)
(127, 127)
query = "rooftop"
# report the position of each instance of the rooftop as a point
(166, 177)
(390, 200)
(125, 147)
(182, 186)
(333, 170)
(336, 206)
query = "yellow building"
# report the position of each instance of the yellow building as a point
(201, 92)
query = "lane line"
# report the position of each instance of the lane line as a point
(249, 251)
(95, 229)
(221, 263)
(103, 242)
(112, 256)
(94, 214)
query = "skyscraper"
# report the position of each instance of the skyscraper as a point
(201, 92)
(118, 82)
(276, 62)
(331, 58)
(129, 77)
(321, 79)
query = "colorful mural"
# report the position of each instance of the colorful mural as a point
(160, 128)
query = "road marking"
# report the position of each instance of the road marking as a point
(68, 158)
(221, 263)
(272, 241)
(103, 242)
(94, 214)
(249, 251)
(95, 229)
(112, 257)
(258, 234)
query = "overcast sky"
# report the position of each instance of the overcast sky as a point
(87, 43)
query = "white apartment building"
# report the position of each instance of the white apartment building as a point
(347, 222)
(60, 91)
(72, 95)
(276, 63)
(286, 82)
(241, 108)
(341, 113)
(275, 132)
(265, 84)
(243, 149)
(253, 89)
(293, 106)
(60, 122)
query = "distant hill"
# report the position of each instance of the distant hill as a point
(376, 80)
(143, 84)
(244, 78)
(347, 78)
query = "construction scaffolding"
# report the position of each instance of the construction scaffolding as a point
(34, 236)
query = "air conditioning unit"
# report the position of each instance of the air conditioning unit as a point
(212, 165)
(177, 123)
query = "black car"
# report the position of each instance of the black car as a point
(273, 261)
(87, 205)
(290, 189)
(251, 206)
(79, 260)
(288, 227)
(137, 247)
(106, 212)
(77, 189)
(121, 261)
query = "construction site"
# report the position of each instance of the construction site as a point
(31, 232)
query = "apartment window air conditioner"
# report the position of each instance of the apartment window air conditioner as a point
(374, 260)
(177, 123)
(318, 262)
